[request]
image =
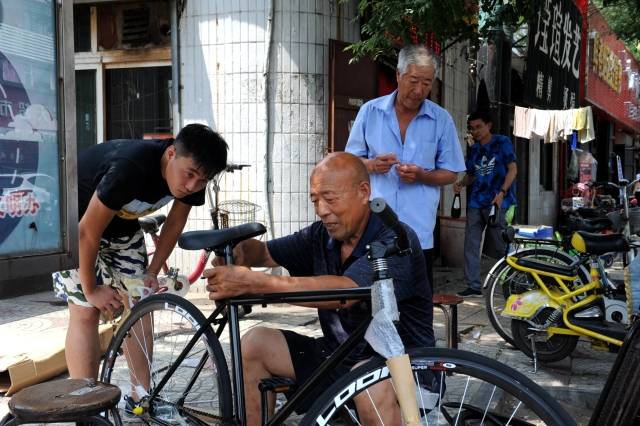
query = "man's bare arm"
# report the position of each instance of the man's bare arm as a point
(230, 281)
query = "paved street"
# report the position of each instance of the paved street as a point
(28, 321)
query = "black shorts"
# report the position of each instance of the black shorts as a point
(307, 354)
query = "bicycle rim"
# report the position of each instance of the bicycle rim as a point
(147, 343)
(477, 390)
(502, 281)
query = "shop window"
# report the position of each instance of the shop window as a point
(546, 165)
(132, 25)
(138, 102)
(82, 28)
(86, 132)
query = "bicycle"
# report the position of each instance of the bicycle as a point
(503, 280)
(187, 379)
(223, 214)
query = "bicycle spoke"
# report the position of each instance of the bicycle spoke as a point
(514, 413)
(486, 409)
(156, 336)
(464, 394)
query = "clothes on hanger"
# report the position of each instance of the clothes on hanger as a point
(553, 125)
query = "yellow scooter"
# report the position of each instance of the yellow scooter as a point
(548, 319)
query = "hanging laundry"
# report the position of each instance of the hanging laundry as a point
(541, 122)
(583, 123)
(520, 123)
(553, 125)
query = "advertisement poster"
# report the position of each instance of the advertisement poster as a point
(29, 141)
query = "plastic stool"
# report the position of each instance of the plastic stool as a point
(66, 400)
(448, 304)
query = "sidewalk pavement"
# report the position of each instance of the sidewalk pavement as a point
(576, 381)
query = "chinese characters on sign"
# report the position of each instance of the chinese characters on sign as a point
(18, 204)
(553, 65)
(606, 64)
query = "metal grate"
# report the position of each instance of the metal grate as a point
(135, 26)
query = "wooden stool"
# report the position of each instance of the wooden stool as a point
(66, 400)
(448, 303)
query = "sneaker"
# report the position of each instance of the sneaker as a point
(470, 293)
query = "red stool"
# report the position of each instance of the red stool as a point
(448, 304)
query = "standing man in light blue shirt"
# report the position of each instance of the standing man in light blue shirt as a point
(409, 146)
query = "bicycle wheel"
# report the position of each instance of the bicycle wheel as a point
(476, 390)
(554, 348)
(502, 281)
(147, 343)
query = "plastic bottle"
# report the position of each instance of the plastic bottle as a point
(175, 283)
(456, 209)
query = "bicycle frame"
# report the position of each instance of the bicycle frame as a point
(231, 307)
(567, 300)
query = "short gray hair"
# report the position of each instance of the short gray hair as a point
(415, 54)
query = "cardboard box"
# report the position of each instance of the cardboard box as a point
(39, 357)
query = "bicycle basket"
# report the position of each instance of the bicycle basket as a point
(237, 212)
(634, 221)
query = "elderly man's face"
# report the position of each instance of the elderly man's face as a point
(414, 85)
(340, 204)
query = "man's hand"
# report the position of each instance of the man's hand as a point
(224, 282)
(151, 281)
(409, 173)
(105, 299)
(457, 187)
(497, 200)
(382, 163)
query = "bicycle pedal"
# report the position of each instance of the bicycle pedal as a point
(277, 384)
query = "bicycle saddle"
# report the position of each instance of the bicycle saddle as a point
(219, 238)
(586, 242)
(151, 224)
(589, 225)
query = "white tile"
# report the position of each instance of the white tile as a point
(295, 57)
(286, 88)
(294, 81)
(303, 118)
(244, 25)
(277, 118)
(294, 25)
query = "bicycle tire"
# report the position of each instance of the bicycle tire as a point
(556, 348)
(619, 403)
(499, 388)
(159, 340)
(501, 278)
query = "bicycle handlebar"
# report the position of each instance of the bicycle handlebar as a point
(232, 167)
(390, 219)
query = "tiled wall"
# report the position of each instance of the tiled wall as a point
(223, 46)
(456, 94)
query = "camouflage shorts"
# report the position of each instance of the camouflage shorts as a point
(120, 256)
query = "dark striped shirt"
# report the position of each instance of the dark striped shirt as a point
(312, 252)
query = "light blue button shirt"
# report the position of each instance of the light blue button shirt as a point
(431, 142)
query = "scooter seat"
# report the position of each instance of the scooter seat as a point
(589, 225)
(598, 244)
(554, 268)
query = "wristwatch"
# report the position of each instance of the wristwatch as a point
(503, 191)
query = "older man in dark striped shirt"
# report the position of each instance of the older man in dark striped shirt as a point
(328, 254)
